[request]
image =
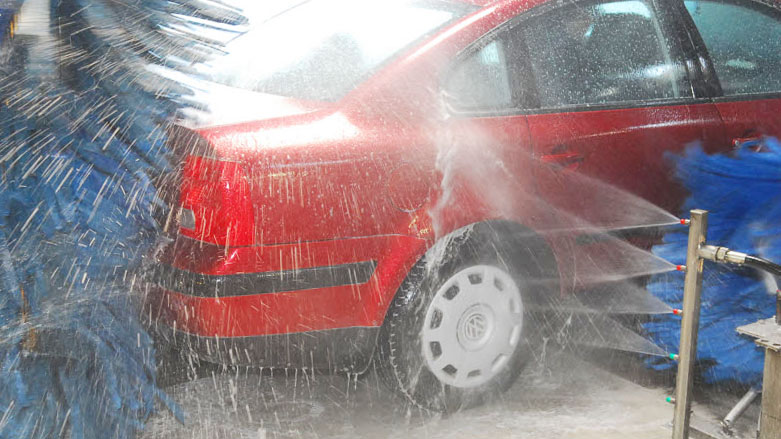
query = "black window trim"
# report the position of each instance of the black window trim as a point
(713, 91)
(679, 51)
(702, 75)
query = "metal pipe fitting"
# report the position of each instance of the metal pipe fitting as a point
(721, 254)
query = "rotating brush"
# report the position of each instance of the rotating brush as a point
(83, 126)
(742, 192)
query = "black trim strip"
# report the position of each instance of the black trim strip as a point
(580, 108)
(622, 105)
(247, 284)
(698, 62)
(766, 96)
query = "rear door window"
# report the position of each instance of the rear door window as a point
(584, 54)
(744, 43)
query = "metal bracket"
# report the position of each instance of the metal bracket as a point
(766, 332)
(690, 323)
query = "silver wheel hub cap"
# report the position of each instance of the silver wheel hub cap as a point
(472, 326)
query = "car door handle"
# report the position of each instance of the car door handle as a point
(567, 160)
(747, 142)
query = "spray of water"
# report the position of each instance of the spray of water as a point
(92, 155)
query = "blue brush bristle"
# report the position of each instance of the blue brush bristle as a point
(742, 192)
(82, 143)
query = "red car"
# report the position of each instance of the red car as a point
(409, 181)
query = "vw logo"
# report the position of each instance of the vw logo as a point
(474, 327)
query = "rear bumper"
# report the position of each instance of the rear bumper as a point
(335, 350)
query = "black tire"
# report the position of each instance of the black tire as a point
(402, 364)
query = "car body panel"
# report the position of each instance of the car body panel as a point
(377, 178)
(747, 118)
(609, 142)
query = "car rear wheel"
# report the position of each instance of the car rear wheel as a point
(472, 326)
(458, 333)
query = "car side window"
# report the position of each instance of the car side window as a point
(602, 53)
(480, 82)
(744, 43)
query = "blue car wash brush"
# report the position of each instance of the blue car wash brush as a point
(742, 192)
(83, 125)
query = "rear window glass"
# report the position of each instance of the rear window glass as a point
(604, 53)
(322, 49)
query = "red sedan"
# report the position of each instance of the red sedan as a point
(407, 181)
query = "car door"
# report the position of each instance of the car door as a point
(614, 94)
(742, 46)
(485, 152)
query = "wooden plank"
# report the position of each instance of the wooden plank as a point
(770, 423)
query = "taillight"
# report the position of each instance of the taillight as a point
(214, 202)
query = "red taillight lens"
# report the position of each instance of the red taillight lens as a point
(215, 202)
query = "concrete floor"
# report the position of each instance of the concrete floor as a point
(563, 396)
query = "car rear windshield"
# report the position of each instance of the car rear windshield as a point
(322, 49)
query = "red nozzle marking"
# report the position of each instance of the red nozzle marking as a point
(683, 221)
(677, 312)
(679, 267)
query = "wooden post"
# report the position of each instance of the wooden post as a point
(770, 421)
(767, 334)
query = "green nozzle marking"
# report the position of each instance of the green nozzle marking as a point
(673, 357)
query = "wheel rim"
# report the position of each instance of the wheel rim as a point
(472, 326)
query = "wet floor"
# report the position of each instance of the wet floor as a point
(563, 396)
